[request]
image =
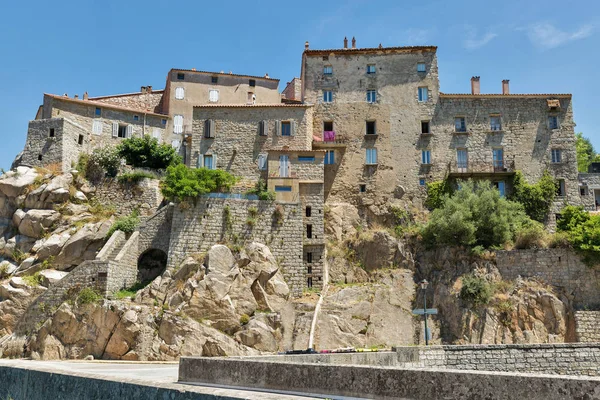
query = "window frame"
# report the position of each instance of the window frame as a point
(179, 93)
(287, 124)
(325, 128)
(371, 96)
(328, 70)
(556, 124)
(180, 76)
(561, 190)
(210, 91)
(426, 131)
(553, 153)
(371, 69)
(463, 128)
(367, 124)
(98, 112)
(306, 159)
(425, 157)
(424, 67)
(371, 156)
(214, 80)
(252, 82)
(327, 96)
(420, 91)
(329, 157)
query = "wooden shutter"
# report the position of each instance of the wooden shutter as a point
(156, 133)
(129, 131)
(207, 128)
(214, 161)
(262, 162)
(278, 128)
(293, 128)
(213, 128)
(263, 128)
(115, 129)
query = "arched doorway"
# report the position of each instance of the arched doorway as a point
(151, 264)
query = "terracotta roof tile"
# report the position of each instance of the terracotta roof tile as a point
(365, 50)
(224, 74)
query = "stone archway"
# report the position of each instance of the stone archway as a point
(151, 263)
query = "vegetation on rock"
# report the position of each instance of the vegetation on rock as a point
(103, 161)
(88, 296)
(261, 191)
(181, 182)
(476, 290)
(437, 192)
(125, 224)
(582, 231)
(136, 176)
(146, 152)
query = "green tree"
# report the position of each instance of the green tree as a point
(146, 152)
(182, 182)
(585, 152)
(536, 198)
(436, 192)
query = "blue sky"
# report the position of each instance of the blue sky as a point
(106, 47)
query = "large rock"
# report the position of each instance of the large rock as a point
(56, 191)
(35, 223)
(7, 268)
(50, 247)
(50, 276)
(15, 297)
(378, 251)
(19, 243)
(341, 220)
(14, 183)
(83, 245)
(7, 206)
(220, 259)
(259, 335)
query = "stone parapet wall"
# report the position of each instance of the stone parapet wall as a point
(587, 326)
(155, 232)
(122, 271)
(562, 268)
(144, 196)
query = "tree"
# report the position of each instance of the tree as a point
(536, 198)
(181, 182)
(586, 154)
(146, 152)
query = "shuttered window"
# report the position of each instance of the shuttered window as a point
(129, 131)
(426, 157)
(423, 94)
(262, 162)
(179, 93)
(178, 124)
(156, 134)
(213, 95)
(97, 127)
(371, 156)
(209, 128)
(263, 128)
(207, 161)
(115, 129)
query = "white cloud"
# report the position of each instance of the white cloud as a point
(474, 40)
(547, 36)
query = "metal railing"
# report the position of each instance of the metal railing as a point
(481, 167)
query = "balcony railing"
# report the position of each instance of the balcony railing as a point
(482, 167)
(329, 138)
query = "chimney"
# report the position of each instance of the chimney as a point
(353, 42)
(306, 45)
(345, 42)
(505, 88)
(475, 85)
(85, 96)
(149, 89)
(267, 75)
(143, 89)
(193, 69)
(76, 97)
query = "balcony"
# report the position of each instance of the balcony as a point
(329, 139)
(477, 168)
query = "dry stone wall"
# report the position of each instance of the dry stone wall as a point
(587, 326)
(144, 196)
(139, 101)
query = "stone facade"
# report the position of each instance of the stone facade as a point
(293, 90)
(587, 326)
(145, 100)
(144, 196)
(589, 189)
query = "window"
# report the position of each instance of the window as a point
(462, 159)
(252, 82)
(97, 127)
(501, 188)
(495, 123)
(327, 96)
(362, 188)
(556, 155)
(251, 98)
(156, 134)
(329, 157)
(498, 159)
(263, 129)
(421, 67)
(136, 117)
(423, 94)
(214, 79)
(460, 124)
(163, 121)
(122, 132)
(582, 191)
(284, 166)
(286, 128)
(371, 96)
(180, 76)
(325, 58)
(371, 128)
(209, 128)
(283, 188)
(371, 69)
(306, 159)
(175, 144)
(80, 140)
(553, 122)
(98, 112)
(308, 211)
(309, 231)
(208, 161)
(309, 283)
(179, 93)
(39, 157)
(309, 259)
(178, 124)
(425, 127)
(262, 162)
(213, 95)
(421, 182)
(560, 189)
(371, 156)
(51, 132)
(328, 70)
(426, 157)
(327, 126)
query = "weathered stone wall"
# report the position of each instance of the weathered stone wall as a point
(197, 228)
(123, 271)
(587, 326)
(590, 184)
(293, 90)
(562, 268)
(155, 232)
(140, 101)
(144, 196)
(311, 195)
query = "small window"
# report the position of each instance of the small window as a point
(556, 155)
(97, 127)
(328, 70)
(560, 188)
(423, 94)
(308, 211)
(426, 157)
(136, 117)
(421, 67)
(498, 159)
(371, 156)
(51, 132)
(309, 259)
(309, 231)
(362, 188)
(553, 122)
(180, 76)
(252, 82)
(122, 132)
(582, 191)
(179, 93)
(306, 159)
(98, 112)
(262, 162)
(286, 128)
(283, 188)
(371, 69)
(329, 157)
(327, 96)
(460, 124)
(163, 121)
(327, 126)
(208, 161)
(80, 140)
(209, 128)
(214, 79)
(421, 182)
(213, 95)
(495, 123)
(263, 129)
(425, 127)
(309, 267)
(371, 96)
(309, 283)
(39, 157)
(325, 58)
(371, 128)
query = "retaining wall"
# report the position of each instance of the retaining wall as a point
(144, 196)
(587, 326)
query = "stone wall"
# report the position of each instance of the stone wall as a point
(155, 232)
(144, 196)
(590, 183)
(587, 326)
(210, 221)
(562, 268)
(123, 271)
(293, 90)
(142, 101)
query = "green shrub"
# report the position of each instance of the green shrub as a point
(531, 236)
(125, 224)
(261, 191)
(558, 240)
(181, 182)
(536, 198)
(136, 176)
(244, 319)
(146, 152)
(33, 280)
(476, 290)
(437, 192)
(88, 296)
(571, 217)
(104, 161)
(582, 231)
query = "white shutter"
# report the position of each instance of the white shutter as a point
(97, 127)
(200, 161)
(214, 161)
(115, 129)
(213, 95)
(179, 93)
(262, 162)
(175, 144)
(213, 128)
(278, 128)
(156, 134)
(129, 131)
(178, 124)
(292, 128)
